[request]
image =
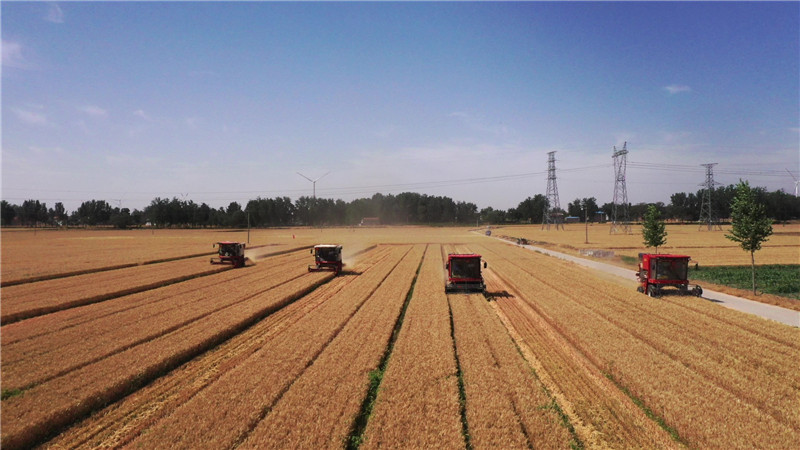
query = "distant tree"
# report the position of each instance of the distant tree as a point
(751, 226)
(58, 214)
(121, 218)
(94, 212)
(7, 213)
(530, 210)
(653, 228)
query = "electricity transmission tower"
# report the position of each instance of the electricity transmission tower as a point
(313, 182)
(620, 220)
(552, 209)
(707, 215)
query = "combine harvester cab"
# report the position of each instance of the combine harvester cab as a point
(657, 272)
(230, 253)
(327, 257)
(464, 273)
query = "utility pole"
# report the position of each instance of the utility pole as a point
(586, 221)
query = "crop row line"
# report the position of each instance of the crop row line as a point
(79, 393)
(356, 435)
(42, 310)
(267, 409)
(320, 407)
(691, 352)
(28, 363)
(630, 355)
(119, 424)
(279, 363)
(38, 278)
(83, 316)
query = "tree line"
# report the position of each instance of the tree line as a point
(404, 208)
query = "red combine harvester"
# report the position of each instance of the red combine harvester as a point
(464, 273)
(230, 253)
(657, 272)
(327, 257)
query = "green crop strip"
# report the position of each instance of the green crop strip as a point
(9, 393)
(462, 393)
(648, 412)
(777, 279)
(356, 436)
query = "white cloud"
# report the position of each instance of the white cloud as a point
(141, 114)
(54, 14)
(677, 88)
(93, 110)
(30, 117)
(12, 55)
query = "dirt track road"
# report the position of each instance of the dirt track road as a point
(776, 313)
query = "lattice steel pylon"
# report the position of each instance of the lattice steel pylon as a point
(620, 218)
(707, 216)
(552, 209)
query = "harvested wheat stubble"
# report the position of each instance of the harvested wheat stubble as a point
(417, 405)
(320, 407)
(121, 422)
(23, 301)
(701, 410)
(601, 414)
(506, 404)
(226, 411)
(49, 406)
(31, 361)
(733, 359)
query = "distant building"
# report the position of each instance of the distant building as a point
(599, 217)
(572, 219)
(370, 222)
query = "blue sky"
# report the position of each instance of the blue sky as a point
(226, 102)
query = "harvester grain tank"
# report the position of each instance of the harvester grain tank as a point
(659, 272)
(327, 257)
(464, 273)
(230, 253)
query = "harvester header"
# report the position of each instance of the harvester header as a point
(464, 273)
(230, 253)
(327, 257)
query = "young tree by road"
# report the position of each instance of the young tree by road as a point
(751, 227)
(653, 228)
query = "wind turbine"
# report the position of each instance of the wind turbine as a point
(796, 183)
(314, 182)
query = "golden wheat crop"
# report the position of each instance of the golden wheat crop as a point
(320, 407)
(230, 399)
(62, 396)
(120, 423)
(675, 363)
(418, 405)
(27, 300)
(505, 404)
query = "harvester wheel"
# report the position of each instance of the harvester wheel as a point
(640, 289)
(652, 291)
(697, 291)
